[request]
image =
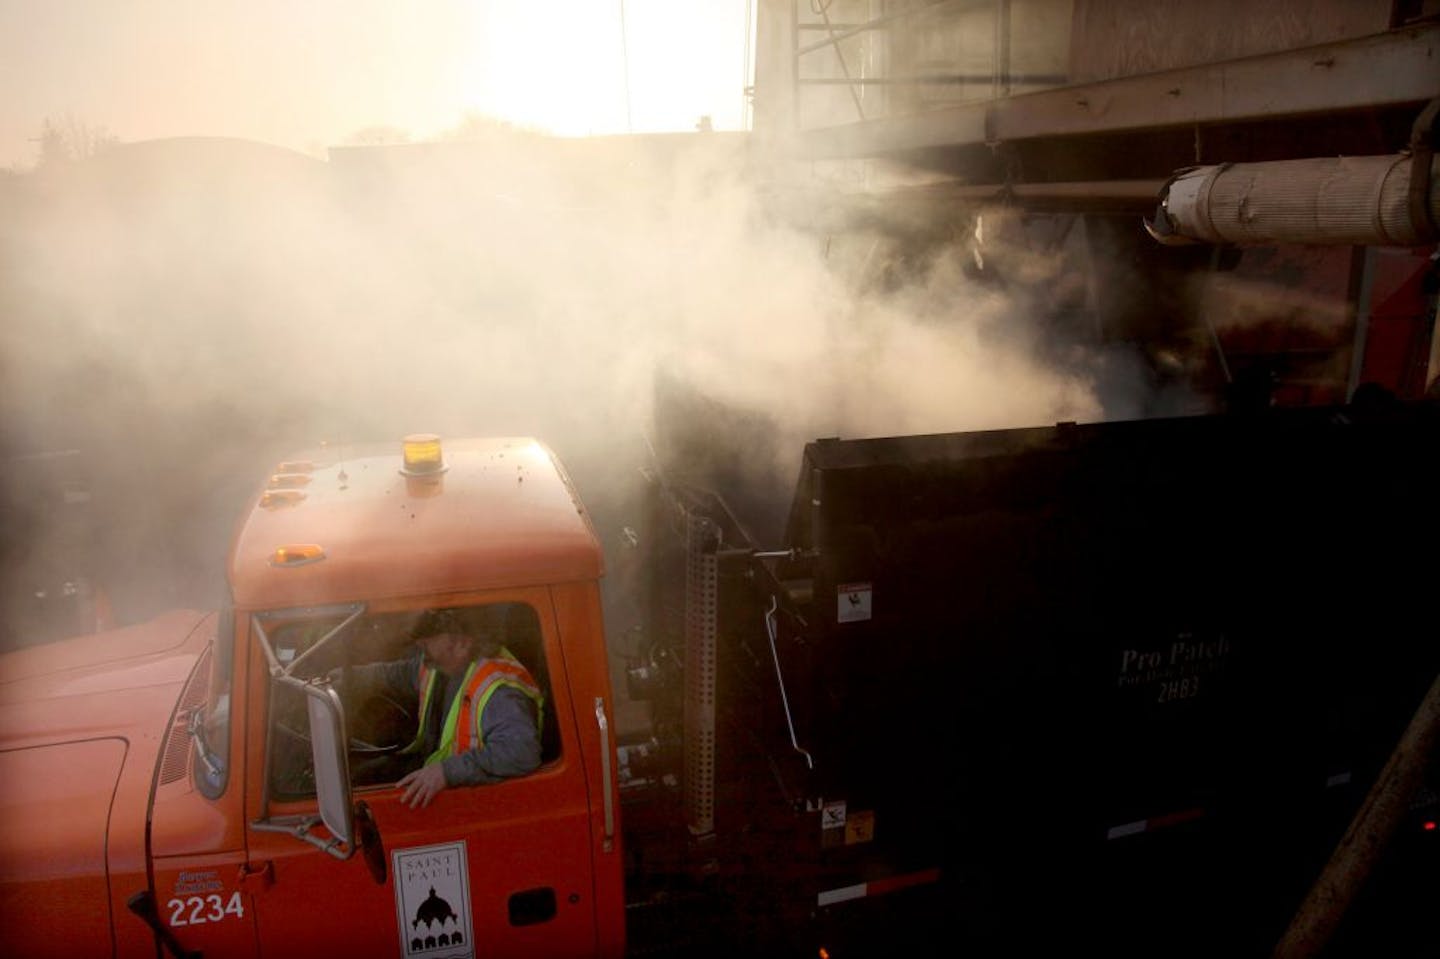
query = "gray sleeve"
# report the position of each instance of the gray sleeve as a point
(397, 679)
(512, 743)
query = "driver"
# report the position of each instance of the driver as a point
(479, 708)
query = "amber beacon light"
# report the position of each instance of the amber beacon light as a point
(423, 455)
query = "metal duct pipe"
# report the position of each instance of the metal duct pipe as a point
(1350, 201)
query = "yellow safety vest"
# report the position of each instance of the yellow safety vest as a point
(462, 730)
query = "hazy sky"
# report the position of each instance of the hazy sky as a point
(308, 74)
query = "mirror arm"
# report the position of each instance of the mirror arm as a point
(299, 827)
(355, 613)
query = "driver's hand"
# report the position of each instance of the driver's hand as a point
(422, 785)
(336, 677)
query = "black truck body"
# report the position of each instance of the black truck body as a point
(1117, 685)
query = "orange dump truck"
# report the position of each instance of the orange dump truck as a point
(1118, 685)
(158, 784)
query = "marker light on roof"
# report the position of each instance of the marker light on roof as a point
(423, 455)
(270, 499)
(288, 480)
(297, 555)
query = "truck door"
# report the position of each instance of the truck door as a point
(495, 870)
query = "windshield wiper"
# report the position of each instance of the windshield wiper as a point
(196, 728)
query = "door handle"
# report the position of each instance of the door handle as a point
(256, 876)
(603, 723)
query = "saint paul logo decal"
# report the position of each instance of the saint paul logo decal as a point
(432, 901)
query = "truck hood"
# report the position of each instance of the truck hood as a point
(82, 723)
(122, 683)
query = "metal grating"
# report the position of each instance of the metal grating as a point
(176, 761)
(701, 584)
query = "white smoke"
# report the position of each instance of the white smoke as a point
(187, 311)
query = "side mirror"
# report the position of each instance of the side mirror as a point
(350, 824)
(332, 761)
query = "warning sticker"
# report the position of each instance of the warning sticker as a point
(859, 827)
(432, 901)
(853, 602)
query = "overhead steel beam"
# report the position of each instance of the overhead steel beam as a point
(937, 78)
(854, 29)
(908, 210)
(1116, 195)
(1389, 69)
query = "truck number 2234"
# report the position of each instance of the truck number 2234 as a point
(209, 908)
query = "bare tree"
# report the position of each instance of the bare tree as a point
(71, 139)
(478, 126)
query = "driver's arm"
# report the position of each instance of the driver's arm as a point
(397, 679)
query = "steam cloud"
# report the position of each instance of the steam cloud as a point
(187, 312)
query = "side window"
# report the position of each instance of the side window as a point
(375, 660)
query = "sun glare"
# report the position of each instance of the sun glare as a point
(577, 68)
(319, 74)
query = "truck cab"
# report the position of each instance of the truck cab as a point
(263, 816)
